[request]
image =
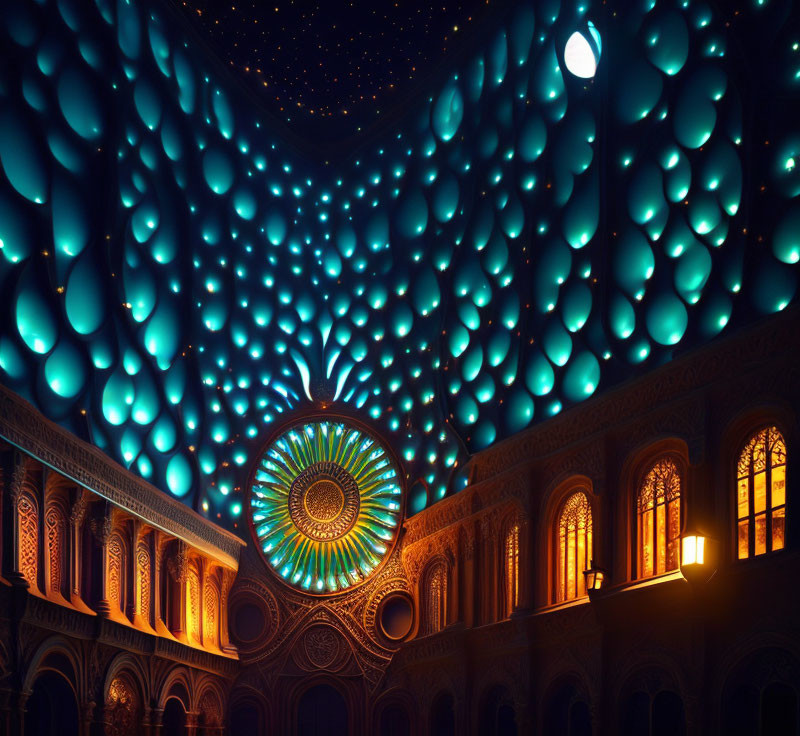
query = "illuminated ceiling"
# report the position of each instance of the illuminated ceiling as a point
(180, 283)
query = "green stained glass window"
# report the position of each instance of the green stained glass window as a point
(325, 505)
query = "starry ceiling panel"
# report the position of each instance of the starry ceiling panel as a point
(180, 283)
(333, 70)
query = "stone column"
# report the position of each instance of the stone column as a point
(490, 594)
(156, 719)
(18, 711)
(15, 469)
(147, 724)
(526, 564)
(161, 623)
(77, 515)
(469, 576)
(93, 722)
(192, 724)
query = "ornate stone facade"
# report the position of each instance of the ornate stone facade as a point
(91, 623)
(137, 619)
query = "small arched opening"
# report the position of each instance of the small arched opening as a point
(52, 708)
(322, 711)
(174, 719)
(443, 716)
(497, 716)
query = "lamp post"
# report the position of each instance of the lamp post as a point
(595, 577)
(698, 556)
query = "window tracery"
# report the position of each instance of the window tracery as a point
(116, 572)
(143, 571)
(193, 603)
(28, 529)
(574, 551)
(435, 598)
(122, 705)
(56, 527)
(210, 614)
(761, 494)
(658, 513)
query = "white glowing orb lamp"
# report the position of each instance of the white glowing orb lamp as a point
(582, 52)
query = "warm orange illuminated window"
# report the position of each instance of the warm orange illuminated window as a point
(658, 514)
(511, 557)
(761, 494)
(436, 596)
(574, 553)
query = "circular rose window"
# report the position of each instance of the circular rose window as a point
(325, 505)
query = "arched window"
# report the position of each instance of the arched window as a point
(435, 598)
(658, 515)
(574, 546)
(761, 494)
(645, 715)
(511, 568)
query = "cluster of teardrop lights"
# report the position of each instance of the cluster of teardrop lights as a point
(179, 282)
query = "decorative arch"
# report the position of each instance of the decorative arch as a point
(761, 693)
(177, 684)
(58, 654)
(248, 712)
(497, 711)
(404, 703)
(124, 705)
(128, 665)
(338, 688)
(652, 693)
(210, 701)
(435, 586)
(566, 706)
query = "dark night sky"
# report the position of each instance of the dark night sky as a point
(330, 69)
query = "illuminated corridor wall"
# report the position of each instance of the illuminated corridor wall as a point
(178, 283)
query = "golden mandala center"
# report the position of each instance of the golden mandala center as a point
(324, 500)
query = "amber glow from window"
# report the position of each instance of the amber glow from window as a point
(436, 596)
(659, 520)
(761, 494)
(512, 569)
(574, 546)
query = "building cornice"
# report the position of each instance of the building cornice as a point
(27, 429)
